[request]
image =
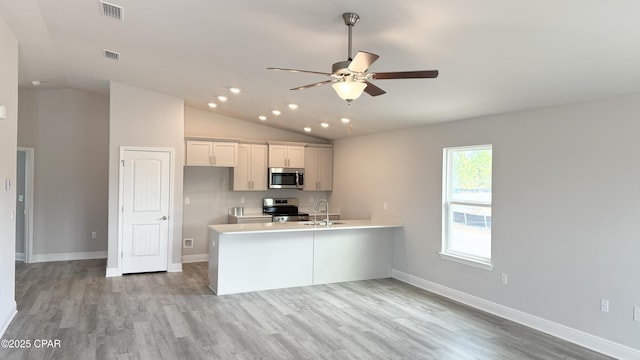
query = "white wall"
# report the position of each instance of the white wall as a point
(69, 130)
(209, 188)
(147, 119)
(209, 124)
(565, 213)
(8, 150)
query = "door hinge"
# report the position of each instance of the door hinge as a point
(122, 254)
(122, 162)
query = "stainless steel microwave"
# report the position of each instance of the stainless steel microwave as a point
(286, 178)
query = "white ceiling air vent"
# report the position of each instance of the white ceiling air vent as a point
(111, 10)
(112, 55)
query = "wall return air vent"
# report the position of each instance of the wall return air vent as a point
(111, 10)
(111, 55)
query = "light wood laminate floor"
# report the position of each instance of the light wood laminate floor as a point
(175, 316)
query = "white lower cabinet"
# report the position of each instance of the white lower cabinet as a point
(251, 172)
(253, 262)
(246, 262)
(348, 255)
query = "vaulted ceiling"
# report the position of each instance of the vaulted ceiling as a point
(494, 56)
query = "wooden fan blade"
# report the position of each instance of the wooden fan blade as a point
(314, 85)
(362, 61)
(406, 74)
(299, 71)
(373, 90)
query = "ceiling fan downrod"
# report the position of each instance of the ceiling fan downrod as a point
(350, 19)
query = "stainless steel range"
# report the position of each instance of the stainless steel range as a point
(283, 210)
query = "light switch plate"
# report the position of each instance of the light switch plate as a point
(3, 112)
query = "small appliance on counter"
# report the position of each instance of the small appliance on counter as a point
(283, 210)
(241, 215)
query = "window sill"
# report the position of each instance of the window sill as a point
(481, 264)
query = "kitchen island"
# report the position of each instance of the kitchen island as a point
(253, 257)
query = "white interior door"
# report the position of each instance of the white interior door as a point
(146, 188)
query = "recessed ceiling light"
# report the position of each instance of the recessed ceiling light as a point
(235, 90)
(345, 120)
(324, 125)
(212, 105)
(293, 106)
(222, 98)
(262, 117)
(307, 129)
(275, 112)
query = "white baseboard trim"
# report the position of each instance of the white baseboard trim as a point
(20, 257)
(578, 337)
(195, 258)
(175, 267)
(12, 313)
(87, 255)
(112, 272)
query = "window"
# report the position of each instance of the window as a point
(466, 211)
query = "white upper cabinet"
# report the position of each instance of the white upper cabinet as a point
(318, 171)
(211, 153)
(286, 156)
(251, 172)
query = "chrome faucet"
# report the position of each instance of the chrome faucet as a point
(326, 208)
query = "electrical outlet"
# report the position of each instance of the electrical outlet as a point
(604, 305)
(504, 279)
(241, 199)
(188, 243)
(94, 235)
(187, 201)
(636, 313)
(385, 206)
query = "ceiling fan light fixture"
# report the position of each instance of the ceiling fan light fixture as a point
(349, 90)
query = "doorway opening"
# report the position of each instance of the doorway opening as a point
(24, 204)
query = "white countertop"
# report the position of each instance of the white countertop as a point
(300, 226)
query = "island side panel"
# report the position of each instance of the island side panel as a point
(253, 262)
(213, 261)
(349, 255)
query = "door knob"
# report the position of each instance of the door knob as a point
(163, 218)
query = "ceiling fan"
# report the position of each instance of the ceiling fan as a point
(350, 78)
